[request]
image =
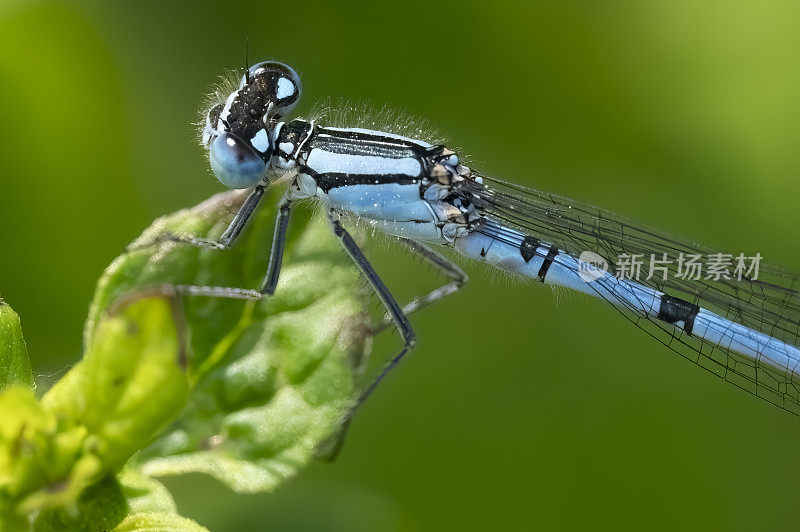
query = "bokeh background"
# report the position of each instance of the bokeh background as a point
(519, 409)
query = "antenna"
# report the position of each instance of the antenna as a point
(246, 59)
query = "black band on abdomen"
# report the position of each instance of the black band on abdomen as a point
(548, 261)
(528, 248)
(673, 310)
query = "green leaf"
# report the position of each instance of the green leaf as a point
(99, 507)
(150, 505)
(34, 453)
(15, 367)
(273, 379)
(9, 518)
(130, 383)
(158, 522)
(145, 494)
(57, 456)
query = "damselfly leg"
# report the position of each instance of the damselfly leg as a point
(457, 276)
(395, 313)
(394, 310)
(330, 449)
(239, 221)
(227, 239)
(225, 292)
(278, 245)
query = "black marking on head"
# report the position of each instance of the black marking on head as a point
(673, 309)
(210, 125)
(272, 79)
(267, 91)
(528, 248)
(548, 261)
(245, 113)
(213, 114)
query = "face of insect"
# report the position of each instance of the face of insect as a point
(238, 132)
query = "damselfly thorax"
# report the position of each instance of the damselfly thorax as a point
(404, 187)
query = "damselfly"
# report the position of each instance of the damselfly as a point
(738, 325)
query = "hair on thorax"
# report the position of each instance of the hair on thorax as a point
(341, 112)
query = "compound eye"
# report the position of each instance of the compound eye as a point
(235, 163)
(281, 84)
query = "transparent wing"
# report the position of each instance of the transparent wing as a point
(769, 304)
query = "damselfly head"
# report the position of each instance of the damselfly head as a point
(239, 131)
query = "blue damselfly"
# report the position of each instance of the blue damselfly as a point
(740, 320)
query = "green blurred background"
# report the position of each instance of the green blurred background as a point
(684, 115)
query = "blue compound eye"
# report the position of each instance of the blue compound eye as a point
(235, 163)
